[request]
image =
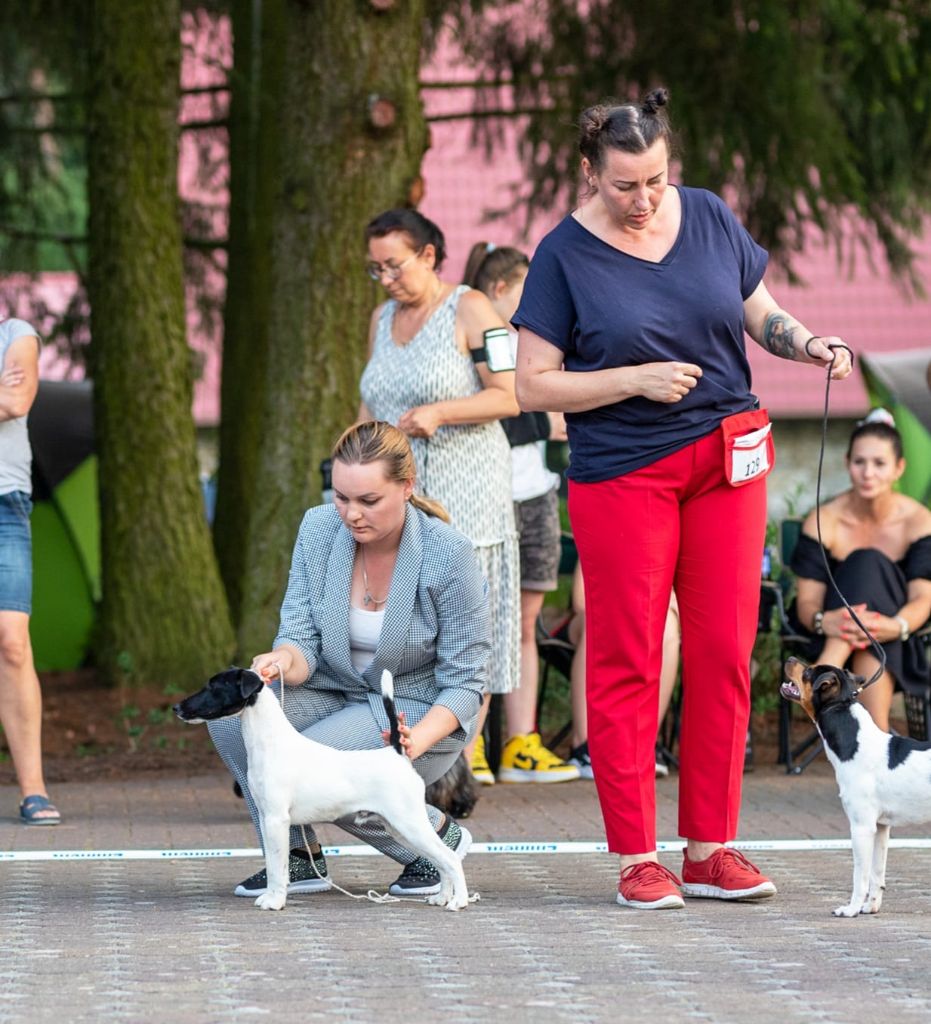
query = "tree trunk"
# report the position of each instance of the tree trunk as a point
(164, 614)
(321, 168)
(246, 312)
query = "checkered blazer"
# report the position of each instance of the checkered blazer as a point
(436, 633)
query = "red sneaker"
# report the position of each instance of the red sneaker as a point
(649, 886)
(725, 875)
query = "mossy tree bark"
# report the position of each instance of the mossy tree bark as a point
(314, 157)
(164, 614)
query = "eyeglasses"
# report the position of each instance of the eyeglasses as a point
(376, 271)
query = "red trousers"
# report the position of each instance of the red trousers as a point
(674, 523)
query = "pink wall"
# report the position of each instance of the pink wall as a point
(462, 184)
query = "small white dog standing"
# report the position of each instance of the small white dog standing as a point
(884, 780)
(297, 781)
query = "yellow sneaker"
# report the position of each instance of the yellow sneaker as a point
(525, 759)
(481, 771)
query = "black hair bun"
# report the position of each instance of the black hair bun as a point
(654, 100)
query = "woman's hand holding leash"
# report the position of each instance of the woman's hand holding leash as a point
(273, 664)
(830, 353)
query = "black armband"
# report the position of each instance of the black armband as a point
(496, 350)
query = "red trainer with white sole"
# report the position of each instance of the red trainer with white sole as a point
(649, 886)
(725, 875)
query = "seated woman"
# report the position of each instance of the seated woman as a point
(878, 546)
(378, 581)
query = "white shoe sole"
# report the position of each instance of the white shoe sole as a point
(294, 888)
(714, 892)
(528, 775)
(670, 902)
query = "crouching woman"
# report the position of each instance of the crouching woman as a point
(379, 580)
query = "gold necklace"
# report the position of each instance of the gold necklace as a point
(367, 597)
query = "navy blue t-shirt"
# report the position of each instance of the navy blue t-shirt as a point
(604, 308)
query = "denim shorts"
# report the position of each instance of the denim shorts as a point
(15, 552)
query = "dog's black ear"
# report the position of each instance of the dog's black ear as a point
(249, 682)
(828, 678)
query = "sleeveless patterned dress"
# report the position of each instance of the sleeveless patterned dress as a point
(466, 467)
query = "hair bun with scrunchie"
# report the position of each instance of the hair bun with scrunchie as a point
(878, 415)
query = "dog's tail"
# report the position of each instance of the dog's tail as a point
(387, 698)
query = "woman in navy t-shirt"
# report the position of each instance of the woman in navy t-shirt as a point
(632, 322)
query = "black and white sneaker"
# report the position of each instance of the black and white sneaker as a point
(301, 874)
(579, 756)
(420, 877)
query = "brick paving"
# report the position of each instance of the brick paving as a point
(166, 941)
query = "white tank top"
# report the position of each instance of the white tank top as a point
(364, 634)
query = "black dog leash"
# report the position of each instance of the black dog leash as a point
(877, 647)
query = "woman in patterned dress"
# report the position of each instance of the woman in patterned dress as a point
(428, 373)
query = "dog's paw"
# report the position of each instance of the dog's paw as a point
(272, 901)
(847, 910)
(457, 904)
(439, 899)
(872, 905)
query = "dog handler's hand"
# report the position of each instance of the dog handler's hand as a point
(267, 664)
(407, 743)
(821, 351)
(667, 382)
(421, 421)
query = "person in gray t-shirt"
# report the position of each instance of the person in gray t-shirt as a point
(20, 696)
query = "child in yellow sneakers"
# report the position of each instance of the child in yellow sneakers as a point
(500, 273)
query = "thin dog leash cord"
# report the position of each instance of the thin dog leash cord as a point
(877, 647)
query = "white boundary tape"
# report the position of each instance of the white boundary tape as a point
(527, 848)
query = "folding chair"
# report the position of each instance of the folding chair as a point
(918, 705)
(775, 598)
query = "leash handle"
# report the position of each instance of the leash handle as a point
(877, 647)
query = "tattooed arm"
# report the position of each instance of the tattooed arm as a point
(782, 335)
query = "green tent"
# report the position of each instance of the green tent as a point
(65, 525)
(899, 382)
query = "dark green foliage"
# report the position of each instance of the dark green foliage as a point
(800, 111)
